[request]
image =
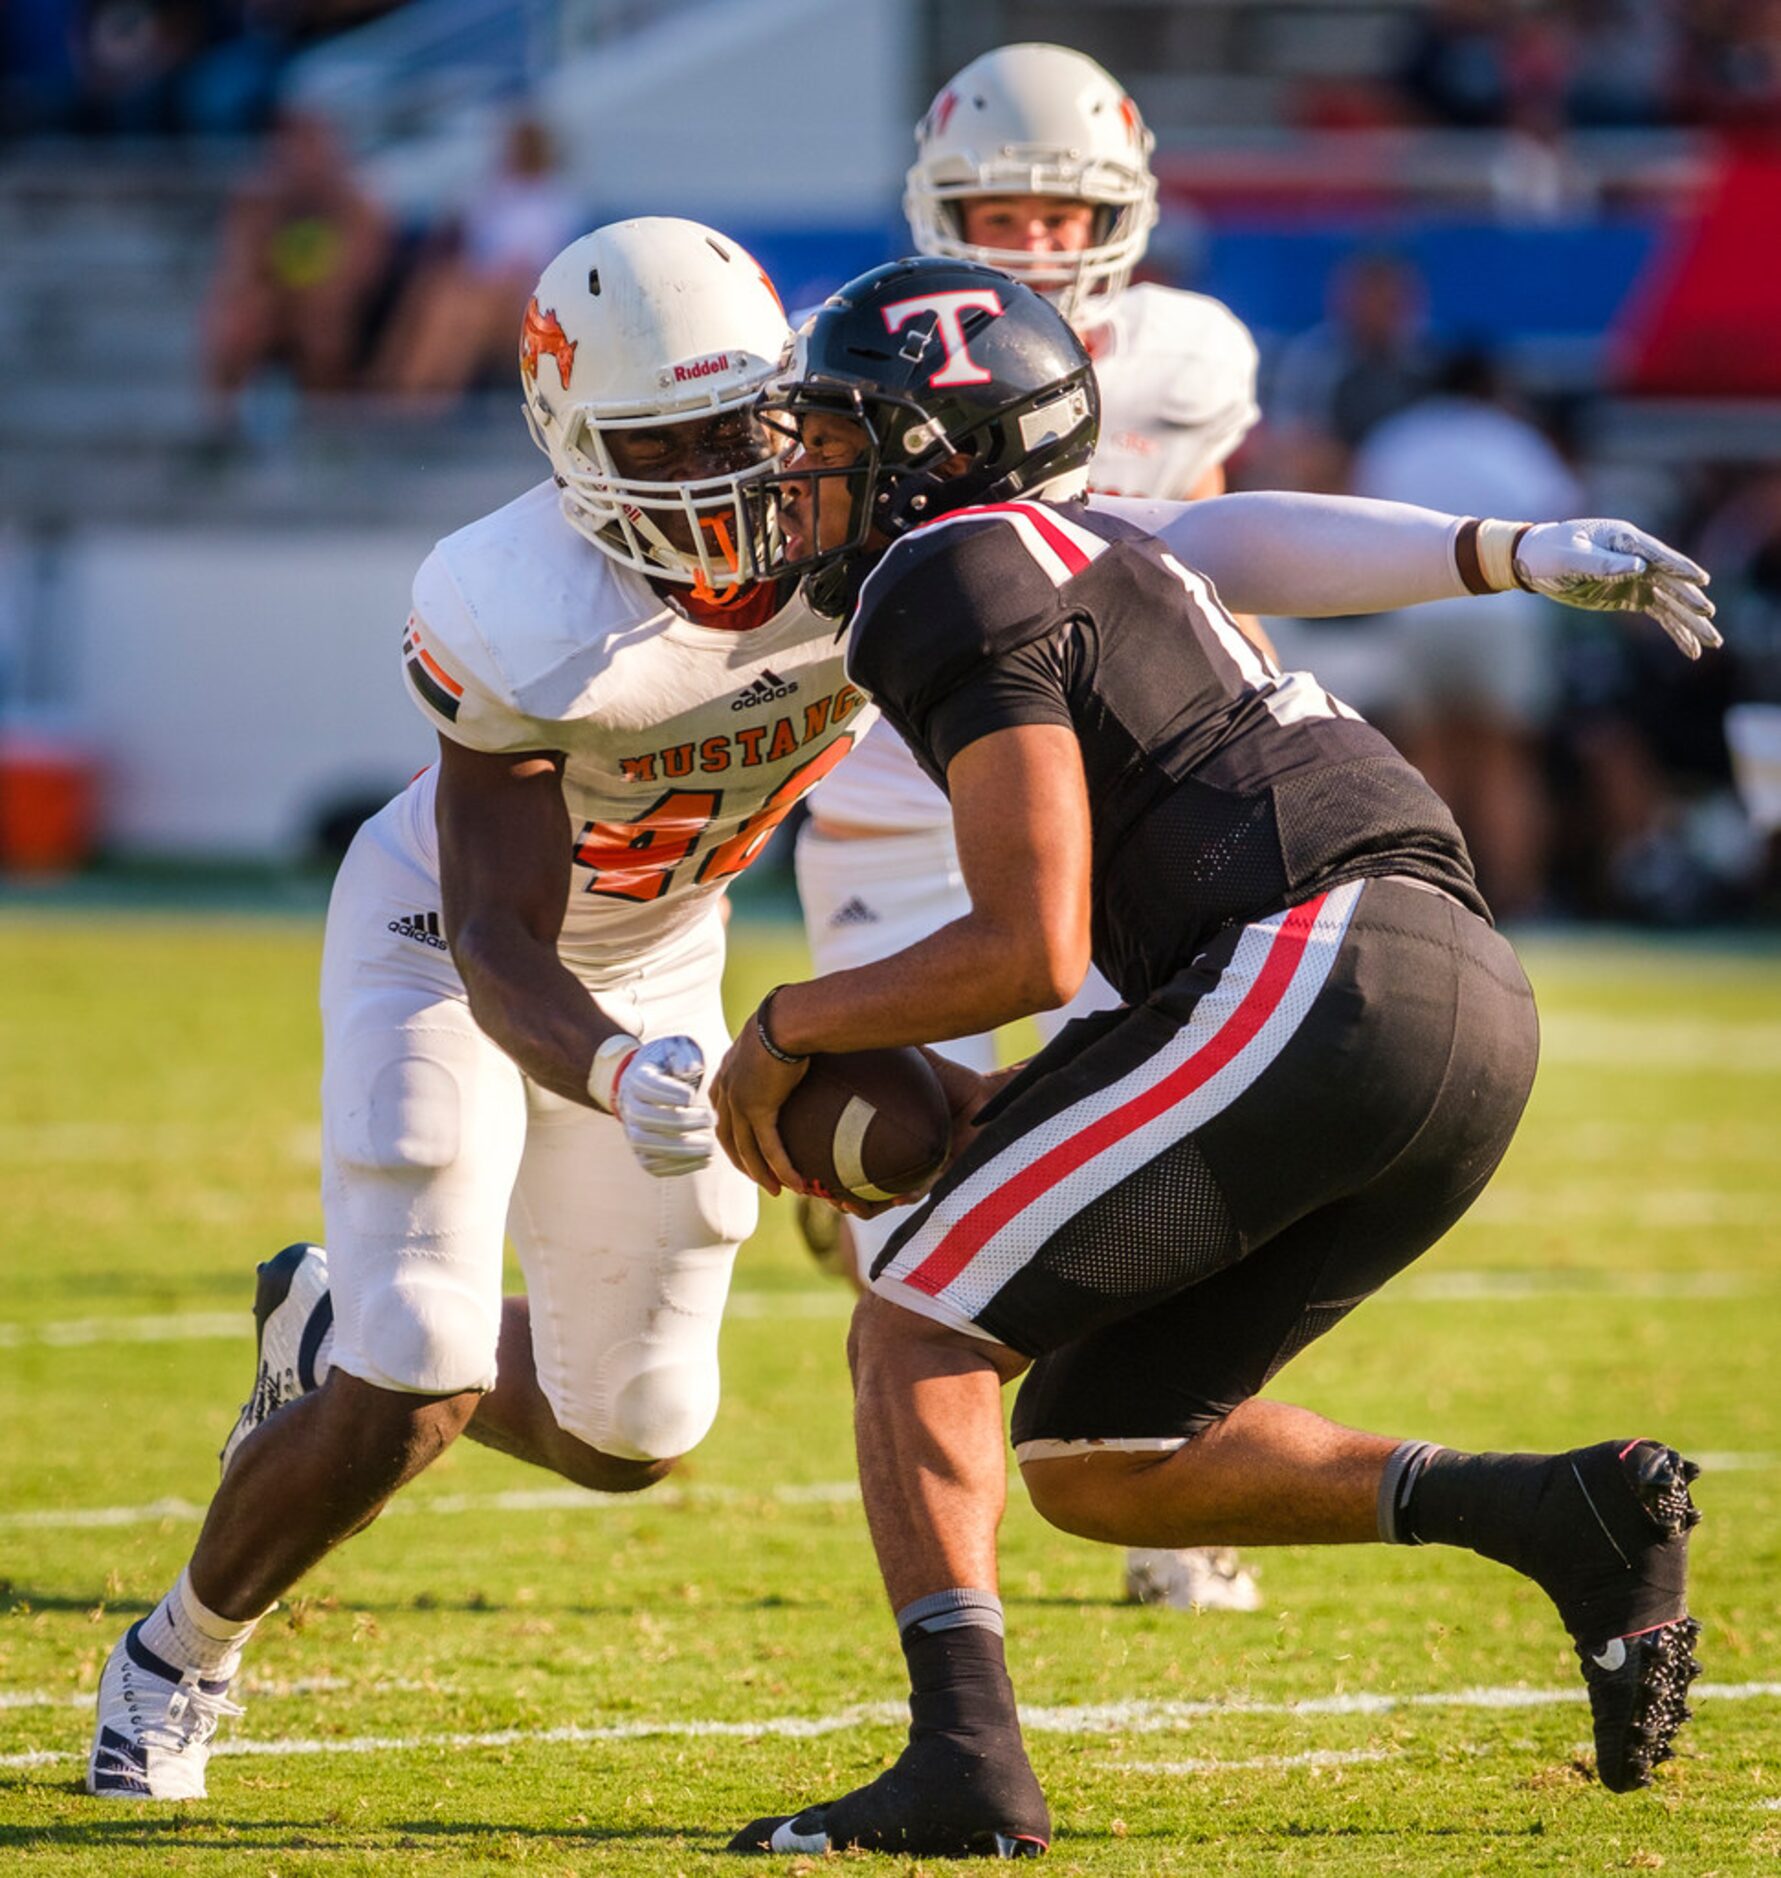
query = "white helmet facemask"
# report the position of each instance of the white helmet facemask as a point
(661, 326)
(1037, 120)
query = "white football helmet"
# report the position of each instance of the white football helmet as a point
(639, 325)
(1036, 120)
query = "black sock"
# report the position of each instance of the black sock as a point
(1488, 1503)
(958, 1681)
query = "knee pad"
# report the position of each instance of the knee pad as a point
(419, 1332)
(416, 1205)
(650, 1404)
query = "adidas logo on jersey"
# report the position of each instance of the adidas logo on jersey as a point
(423, 927)
(769, 688)
(855, 913)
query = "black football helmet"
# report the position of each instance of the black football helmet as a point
(934, 359)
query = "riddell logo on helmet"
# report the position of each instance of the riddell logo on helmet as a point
(701, 368)
(541, 336)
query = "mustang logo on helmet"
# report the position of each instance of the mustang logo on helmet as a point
(542, 336)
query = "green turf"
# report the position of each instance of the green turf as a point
(157, 1134)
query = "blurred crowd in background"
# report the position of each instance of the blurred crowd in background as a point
(1589, 766)
(127, 68)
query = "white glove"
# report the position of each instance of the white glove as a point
(652, 1091)
(1613, 567)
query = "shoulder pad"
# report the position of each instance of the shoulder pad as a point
(966, 587)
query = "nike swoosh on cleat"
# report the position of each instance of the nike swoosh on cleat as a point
(1611, 1656)
(787, 1839)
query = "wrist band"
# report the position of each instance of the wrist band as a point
(608, 1066)
(1497, 542)
(761, 1031)
(1465, 557)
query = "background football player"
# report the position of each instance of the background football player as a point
(1033, 160)
(520, 978)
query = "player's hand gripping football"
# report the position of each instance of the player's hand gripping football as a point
(968, 1093)
(748, 1091)
(1612, 567)
(655, 1097)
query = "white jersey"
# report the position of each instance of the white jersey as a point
(685, 745)
(1177, 377)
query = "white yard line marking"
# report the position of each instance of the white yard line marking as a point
(1653, 1209)
(1115, 1718)
(1314, 1757)
(833, 1301)
(132, 1142)
(519, 1500)
(179, 1327)
(1490, 1287)
(579, 1499)
(830, 1301)
(253, 1690)
(204, 1326)
(1653, 1045)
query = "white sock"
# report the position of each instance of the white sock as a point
(189, 1635)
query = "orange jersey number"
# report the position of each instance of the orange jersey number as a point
(638, 860)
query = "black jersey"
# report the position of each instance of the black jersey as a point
(1220, 788)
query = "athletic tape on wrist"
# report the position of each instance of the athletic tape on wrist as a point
(1497, 543)
(608, 1066)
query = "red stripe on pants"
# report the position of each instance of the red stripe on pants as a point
(969, 1236)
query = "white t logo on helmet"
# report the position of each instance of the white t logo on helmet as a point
(948, 310)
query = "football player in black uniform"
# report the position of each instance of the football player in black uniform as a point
(1324, 1051)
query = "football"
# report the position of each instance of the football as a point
(872, 1124)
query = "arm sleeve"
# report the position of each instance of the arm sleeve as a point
(1313, 556)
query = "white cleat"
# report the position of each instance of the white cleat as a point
(293, 1331)
(1196, 1578)
(153, 1734)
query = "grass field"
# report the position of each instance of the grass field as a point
(506, 1674)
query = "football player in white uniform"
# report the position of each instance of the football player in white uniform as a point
(626, 710)
(1034, 161)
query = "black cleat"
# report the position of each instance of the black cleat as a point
(1637, 1692)
(943, 1799)
(1625, 1601)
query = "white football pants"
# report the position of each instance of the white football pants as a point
(435, 1146)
